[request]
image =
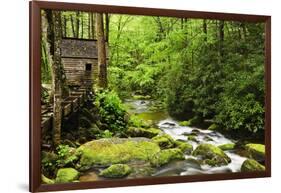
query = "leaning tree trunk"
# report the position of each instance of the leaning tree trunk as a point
(101, 51)
(57, 70)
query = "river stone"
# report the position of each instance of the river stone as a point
(184, 147)
(142, 132)
(67, 175)
(227, 146)
(211, 155)
(46, 180)
(164, 141)
(185, 123)
(116, 171)
(251, 165)
(165, 156)
(256, 151)
(105, 152)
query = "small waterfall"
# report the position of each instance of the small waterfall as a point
(177, 132)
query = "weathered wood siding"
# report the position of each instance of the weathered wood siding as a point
(79, 48)
(76, 73)
(76, 54)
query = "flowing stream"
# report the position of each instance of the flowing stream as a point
(161, 119)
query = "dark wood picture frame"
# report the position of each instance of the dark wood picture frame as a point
(35, 132)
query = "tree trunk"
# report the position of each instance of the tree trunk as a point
(107, 27)
(77, 24)
(205, 29)
(93, 25)
(72, 26)
(82, 27)
(57, 69)
(89, 25)
(101, 51)
(221, 38)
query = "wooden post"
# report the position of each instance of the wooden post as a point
(57, 70)
(102, 66)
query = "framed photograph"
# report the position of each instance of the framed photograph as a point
(125, 96)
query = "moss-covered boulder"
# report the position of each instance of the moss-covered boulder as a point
(227, 146)
(211, 155)
(143, 132)
(213, 127)
(251, 165)
(164, 141)
(185, 123)
(184, 147)
(165, 156)
(65, 175)
(192, 137)
(116, 171)
(105, 152)
(46, 180)
(256, 151)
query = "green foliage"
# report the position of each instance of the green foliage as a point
(111, 111)
(66, 156)
(105, 134)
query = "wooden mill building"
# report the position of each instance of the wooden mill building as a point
(80, 61)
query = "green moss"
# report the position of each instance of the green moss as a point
(256, 151)
(213, 127)
(142, 132)
(227, 146)
(46, 180)
(116, 171)
(165, 156)
(192, 137)
(164, 141)
(185, 123)
(138, 121)
(251, 165)
(211, 155)
(66, 175)
(141, 97)
(105, 152)
(184, 147)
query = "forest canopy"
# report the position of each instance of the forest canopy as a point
(198, 68)
(124, 95)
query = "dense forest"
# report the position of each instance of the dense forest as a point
(182, 83)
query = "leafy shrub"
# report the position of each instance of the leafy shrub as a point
(112, 111)
(66, 156)
(104, 134)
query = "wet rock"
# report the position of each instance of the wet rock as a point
(184, 147)
(169, 124)
(256, 151)
(116, 171)
(142, 132)
(207, 138)
(251, 165)
(165, 156)
(46, 180)
(213, 127)
(105, 152)
(211, 155)
(67, 175)
(192, 137)
(227, 146)
(164, 141)
(185, 123)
